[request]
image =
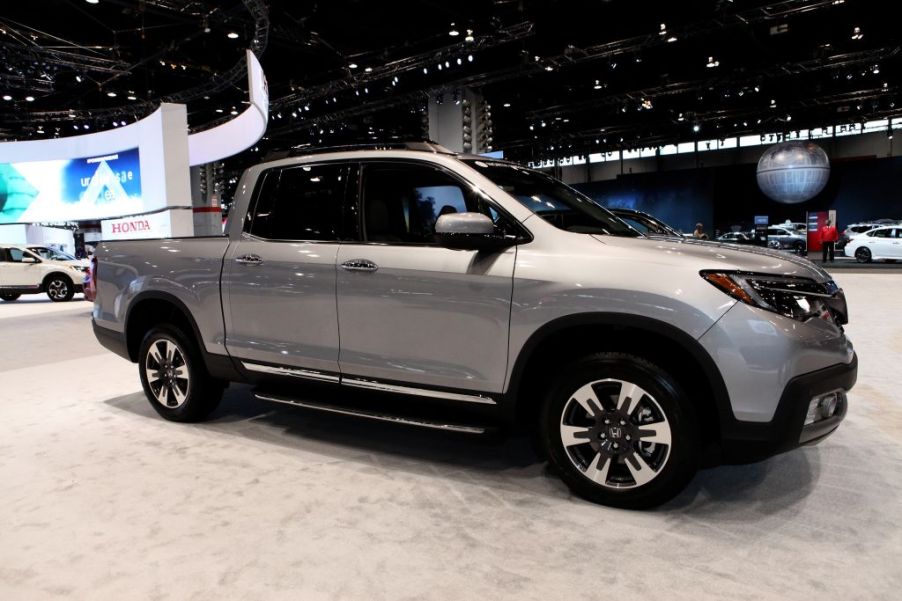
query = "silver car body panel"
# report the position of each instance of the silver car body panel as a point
(427, 315)
(187, 269)
(281, 309)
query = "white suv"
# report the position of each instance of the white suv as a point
(24, 272)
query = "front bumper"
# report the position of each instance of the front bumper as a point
(752, 441)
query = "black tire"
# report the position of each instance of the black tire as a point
(863, 255)
(662, 405)
(10, 297)
(201, 393)
(59, 288)
(800, 247)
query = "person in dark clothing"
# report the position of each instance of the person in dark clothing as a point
(828, 241)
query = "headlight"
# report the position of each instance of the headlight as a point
(79, 268)
(797, 298)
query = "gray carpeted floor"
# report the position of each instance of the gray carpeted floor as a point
(100, 499)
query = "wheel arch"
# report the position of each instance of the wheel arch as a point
(150, 308)
(46, 281)
(573, 336)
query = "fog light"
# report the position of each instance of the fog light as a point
(824, 406)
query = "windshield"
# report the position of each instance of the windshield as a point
(50, 254)
(647, 225)
(556, 203)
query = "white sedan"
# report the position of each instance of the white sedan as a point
(878, 243)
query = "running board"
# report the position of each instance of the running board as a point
(382, 417)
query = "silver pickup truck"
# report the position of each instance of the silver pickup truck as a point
(465, 293)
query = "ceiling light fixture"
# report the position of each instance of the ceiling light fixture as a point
(29, 98)
(232, 35)
(7, 97)
(92, 1)
(352, 65)
(111, 94)
(712, 63)
(453, 33)
(469, 37)
(696, 127)
(671, 39)
(368, 70)
(856, 33)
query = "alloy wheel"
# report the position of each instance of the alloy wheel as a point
(615, 433)
(167, 373)
(863, 255)
(58, 289)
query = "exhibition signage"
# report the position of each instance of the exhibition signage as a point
(72, 190)
(154, 225)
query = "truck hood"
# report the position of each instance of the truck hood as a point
(721, 255)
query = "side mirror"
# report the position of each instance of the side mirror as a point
(468, 231)
(31, 260)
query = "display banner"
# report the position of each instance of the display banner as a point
(72, 190)
(153, 225)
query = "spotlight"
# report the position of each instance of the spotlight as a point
(425, 70)
(696, 127)
(453, 33)
(671, 39)
(712, 63)
(92, 1)
(469, 37)
(29, 99)
(856, 33)
(232, 35)
(111, 94)
(7, 97)
(78, 78)
(368, 70)
(507, 105)
(470, 58)
(352, 65)
(131, 97)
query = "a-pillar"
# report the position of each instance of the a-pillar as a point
(461, 121)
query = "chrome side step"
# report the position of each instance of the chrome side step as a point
(407, 421)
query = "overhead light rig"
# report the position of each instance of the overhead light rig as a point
(216, 84)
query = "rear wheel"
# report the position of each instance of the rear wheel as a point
(174, 377)
(620, 431)
(863, 255)
(9, 297)
(59, 288)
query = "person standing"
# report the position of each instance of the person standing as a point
(828, 240)
(699, 232)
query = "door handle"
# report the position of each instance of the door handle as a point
(359, 265)
(249, 260)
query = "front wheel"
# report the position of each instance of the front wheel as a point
(174, 377)
(60, 289)
(620, 432)
(863, 255)
(10, 297)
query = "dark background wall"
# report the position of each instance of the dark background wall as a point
(725, 196)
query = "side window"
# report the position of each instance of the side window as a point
(401, 202)
(16, 254)
(300, 203)
(881, 233)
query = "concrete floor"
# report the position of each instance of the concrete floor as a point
(101, 499)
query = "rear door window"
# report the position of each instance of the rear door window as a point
(304, 202)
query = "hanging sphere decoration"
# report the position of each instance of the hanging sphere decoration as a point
(793, 172)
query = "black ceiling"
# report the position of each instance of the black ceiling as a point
(578, 75)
